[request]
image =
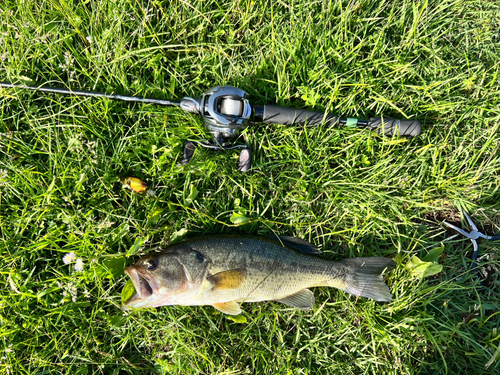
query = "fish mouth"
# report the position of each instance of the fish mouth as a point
(144, 287)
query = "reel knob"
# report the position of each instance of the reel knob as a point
(187, 153)
(245, 160)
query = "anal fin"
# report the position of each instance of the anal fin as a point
(303, 299)
(230, 308)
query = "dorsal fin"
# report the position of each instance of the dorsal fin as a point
(297, 244)
(303, 299)
(231, 279)
(230, 308)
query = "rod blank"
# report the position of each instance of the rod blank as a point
(57, 90)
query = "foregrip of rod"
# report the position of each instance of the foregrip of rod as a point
(391, 126)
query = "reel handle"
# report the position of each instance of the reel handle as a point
(244, 161)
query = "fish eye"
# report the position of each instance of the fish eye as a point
(151, 264)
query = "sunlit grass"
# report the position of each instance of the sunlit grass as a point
(350, 192)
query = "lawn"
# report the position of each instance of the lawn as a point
(351, 192)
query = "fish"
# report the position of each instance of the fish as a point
(226, 270)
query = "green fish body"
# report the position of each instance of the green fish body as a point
(225, 270)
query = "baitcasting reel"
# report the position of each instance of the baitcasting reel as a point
(226, 111)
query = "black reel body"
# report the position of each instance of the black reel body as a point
(225, 111)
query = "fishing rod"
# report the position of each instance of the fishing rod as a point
(226, 111)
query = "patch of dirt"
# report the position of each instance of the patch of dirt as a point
(434, 219)
(452, 216)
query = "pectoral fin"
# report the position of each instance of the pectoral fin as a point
(231, 279)
(303, 299)
(230, 308)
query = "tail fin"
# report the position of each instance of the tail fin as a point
(364, 278)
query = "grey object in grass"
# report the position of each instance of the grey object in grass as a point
(473, 236)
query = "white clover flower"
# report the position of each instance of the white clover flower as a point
(3, 177)
(69, 258)
(68, 62)
(79, 265)
(105, 224)
(151, 192)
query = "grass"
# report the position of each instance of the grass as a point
(352, 193)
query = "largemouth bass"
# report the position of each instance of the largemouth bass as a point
(225, 270)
